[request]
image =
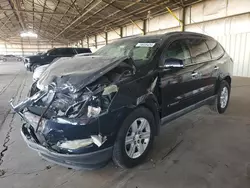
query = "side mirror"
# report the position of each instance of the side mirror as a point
(173, 63)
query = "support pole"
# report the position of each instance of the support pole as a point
(22, 46)
(144, 27)
(88, 42)
(38, 49)
(173, 14)
(137, 26)
(95, 41)
(5, 48)
(82, 43)
(121, 32)
(183, 19)
(106, 37)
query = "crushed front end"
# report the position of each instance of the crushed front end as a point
(65, 128)
(70, 125)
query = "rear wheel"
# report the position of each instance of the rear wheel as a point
(134, 138)
(222, 99)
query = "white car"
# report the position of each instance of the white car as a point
(38, 72)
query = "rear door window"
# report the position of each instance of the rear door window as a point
(63, 52)
(215, 48)
(66, 52)
(83, 50)
(178, 50)
(199, 50)
(53, 52)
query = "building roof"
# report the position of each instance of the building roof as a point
(70, 20)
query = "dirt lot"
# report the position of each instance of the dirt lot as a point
(201, 149)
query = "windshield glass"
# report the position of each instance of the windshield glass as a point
(141, 50)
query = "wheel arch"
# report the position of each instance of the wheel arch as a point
(227, 78)
(152, 105)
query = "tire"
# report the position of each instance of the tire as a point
(4, 60)
(121, 152)
(220, 106)
(32, 68)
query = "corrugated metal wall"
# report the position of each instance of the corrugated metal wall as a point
(238, 46)
(228, 21)
(27, 47)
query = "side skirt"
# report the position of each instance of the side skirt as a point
(187, 110)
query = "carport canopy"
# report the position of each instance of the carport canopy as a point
(68, 21)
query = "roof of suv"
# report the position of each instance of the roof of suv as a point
(70, 48)
(187, 33)
(162, 36)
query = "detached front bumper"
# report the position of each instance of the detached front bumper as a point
(90, 160)
(86, 144)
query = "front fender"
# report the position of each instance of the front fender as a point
(150, 102)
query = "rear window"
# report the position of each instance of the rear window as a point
(215, 48)
(83, 50)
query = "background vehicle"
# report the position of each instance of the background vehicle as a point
(86, 110)
(31, 62)
(11, 58)
(39, 70)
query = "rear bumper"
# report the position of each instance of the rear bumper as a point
(90, 160)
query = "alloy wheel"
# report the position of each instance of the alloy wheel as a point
(137, 138)
(224, 97)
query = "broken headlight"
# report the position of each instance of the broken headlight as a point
(75, 144)
(89, 104)
(93, 111)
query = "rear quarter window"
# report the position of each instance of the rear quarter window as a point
(215, 48)
(199, 50)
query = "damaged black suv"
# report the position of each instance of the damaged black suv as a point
(83, 111)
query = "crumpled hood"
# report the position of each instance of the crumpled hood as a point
(75, 73)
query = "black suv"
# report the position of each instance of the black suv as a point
(31, 62)
(86, 110)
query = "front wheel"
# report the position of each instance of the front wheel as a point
(222, 99)
(33, 67)
(134, 138)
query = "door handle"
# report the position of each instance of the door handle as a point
(194, 74)
(216, 68)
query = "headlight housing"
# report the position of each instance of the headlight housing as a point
(90, 104)
(27, 60)
(77, 108)
(75, 144)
